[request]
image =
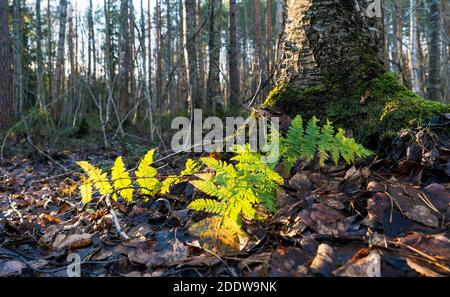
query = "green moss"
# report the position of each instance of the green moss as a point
(374, 110)
(286, 97)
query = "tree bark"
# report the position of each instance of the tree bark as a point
(92, 64)
(413, 46)
(40, 92)
(215, 26)
(446, 54)
(191, 52)
(124, 52)
(233, 72)
(6, 74)
(18, 55)
(269, 36)
(58, 75)
(331, 68)
(434, 82)
(159, 64)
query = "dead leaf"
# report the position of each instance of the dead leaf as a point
(11, 268)
(139, 256)
(420, 267)
(323, 261)
(369, 266)
(288, 261)
(76, 241)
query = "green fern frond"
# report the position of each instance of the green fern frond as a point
(207, 205)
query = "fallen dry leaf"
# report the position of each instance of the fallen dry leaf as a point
(76, 241)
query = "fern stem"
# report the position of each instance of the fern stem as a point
(115, 219)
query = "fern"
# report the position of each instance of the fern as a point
(322, 142)
(145, 174)
(85, 190)
(238, 188)
(121, 180)
(242, 189)
(97, 178)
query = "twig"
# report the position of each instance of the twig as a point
(44, 154)
(116, 220)
(15, 209)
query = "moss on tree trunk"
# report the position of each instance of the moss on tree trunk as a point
(332, 68)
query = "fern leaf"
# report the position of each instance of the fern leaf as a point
(86, 190)
(206, 186)
(326, 144)
(167, 183)
(97, 178)
(121, 180)
(145, 174)
(311, 137)
(207, 205)
(191, 168)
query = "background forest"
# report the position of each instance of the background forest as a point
(109, 65)
(354, 181)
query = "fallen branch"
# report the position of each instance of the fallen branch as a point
(116, 220)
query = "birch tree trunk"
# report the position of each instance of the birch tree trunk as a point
(434, 83)
(331, 68)
(6, 74)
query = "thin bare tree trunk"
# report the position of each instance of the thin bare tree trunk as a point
(191, 53)
(6, 74)
(233, 71)
(434, 82)
(72, 61)
(18, 54)
(40, 93)
(108, 59)
(92, 63)
(269, 36)
(124, 52)
(159, 63)
(49, 48)
(260, 70)
(58, 75)
(413, 46)
(149, 46)
(446, 54)
(215, 27)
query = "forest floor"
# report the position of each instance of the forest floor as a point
(381, 217)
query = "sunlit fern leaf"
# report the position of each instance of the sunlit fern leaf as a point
(121, 180)
(191, 168)
(167, 183)
(205, 175)
(207, 205)
(206, 186)
(97, 178)
(86, 190)
(145, 174)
